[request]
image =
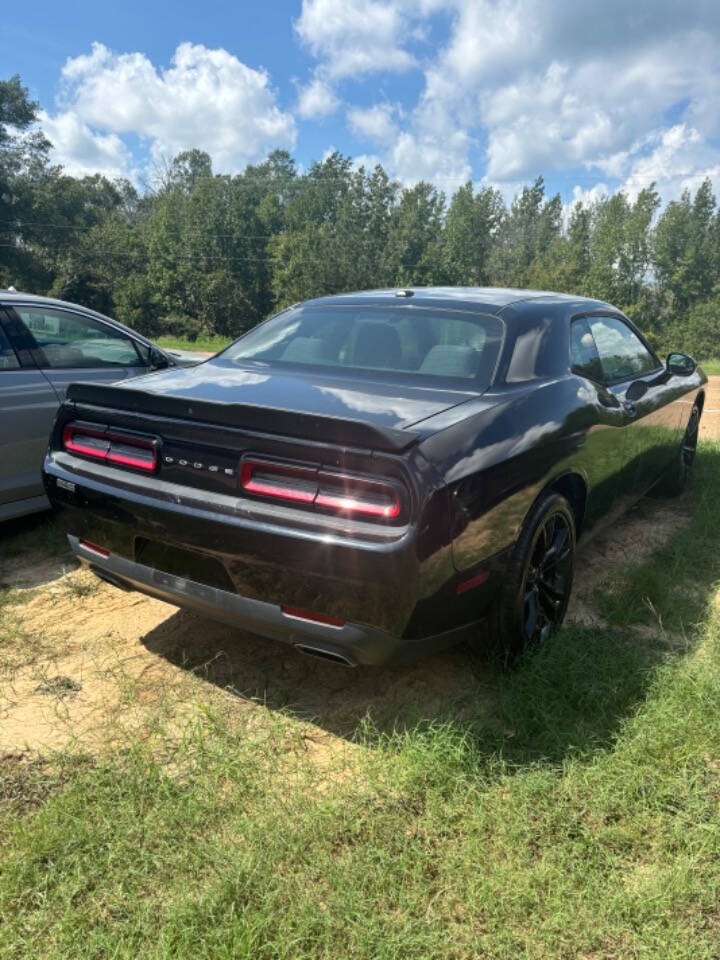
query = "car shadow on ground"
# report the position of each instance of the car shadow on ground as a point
(572, 695)
(336, 698)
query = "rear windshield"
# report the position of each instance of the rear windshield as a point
(403, 341)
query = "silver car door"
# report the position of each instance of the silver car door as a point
(28, 404)
(70, 346)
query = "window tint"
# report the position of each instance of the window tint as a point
(622, 353)
(73, 341)
(396, 339)
(584, 357)
(8, 360)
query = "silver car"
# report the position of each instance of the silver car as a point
(45, 345)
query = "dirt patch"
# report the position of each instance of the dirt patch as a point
(34, 570)
(131, 661)
(630, 539)
(93, 681)
(710, 422)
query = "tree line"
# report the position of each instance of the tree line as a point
(204, 253)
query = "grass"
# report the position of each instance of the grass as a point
(580, 819)
(711, 367)
(203, 344)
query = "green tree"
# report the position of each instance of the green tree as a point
(682, 248)
(413, 251)
(526, 233)
(470, 227)
(23, 158)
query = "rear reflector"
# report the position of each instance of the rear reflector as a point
(102, 443)
(94, 548)
(356, 496)
(472, 582)
(314, 617)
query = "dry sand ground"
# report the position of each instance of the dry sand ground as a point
(92, 663)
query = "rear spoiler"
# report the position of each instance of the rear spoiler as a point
(288, 423)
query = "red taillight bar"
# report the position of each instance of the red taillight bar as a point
(266, 480)
(102, 443)
(350, 504)
(91, 443)
(358, 496)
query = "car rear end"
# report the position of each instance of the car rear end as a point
(281, 486)
(334, 547)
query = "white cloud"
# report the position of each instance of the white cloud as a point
(317, 99)
(354, 37)
(592, 79)
(588, 195)
(425, 156)
(376, 122)
(83, 152)
(681, 159)
(206, 98)
(544, 87)
(614, 92)
(366, 160)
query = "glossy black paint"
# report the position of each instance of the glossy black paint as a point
(471, 464)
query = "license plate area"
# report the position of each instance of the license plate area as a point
(188, 564)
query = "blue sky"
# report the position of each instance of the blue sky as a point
(595, 96)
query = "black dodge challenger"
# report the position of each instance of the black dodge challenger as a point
(376, 475)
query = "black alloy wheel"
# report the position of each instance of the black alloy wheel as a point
(690, 439)
(538, 582)
(678, 474)
(548, 578)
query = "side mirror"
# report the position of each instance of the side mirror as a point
(158, 360)
(680, 365)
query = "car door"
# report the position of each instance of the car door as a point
(28, 404)
(646, 394)
(606, 442)
(69, 345)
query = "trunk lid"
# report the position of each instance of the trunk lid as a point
(356, 412)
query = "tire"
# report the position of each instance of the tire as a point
(531, 606)
(677, 475)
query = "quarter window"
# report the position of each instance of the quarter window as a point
(622, 353)
(8, 360)
(584, 357)
(74, 341)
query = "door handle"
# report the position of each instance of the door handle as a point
(629, 408)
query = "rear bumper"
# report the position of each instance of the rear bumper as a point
(353, 643)
(397, 595)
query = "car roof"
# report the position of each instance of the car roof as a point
(15, 297)
(482, 299)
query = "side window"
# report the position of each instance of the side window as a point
(73, 341)
(622, 353)
(584, 358)
(8, 359)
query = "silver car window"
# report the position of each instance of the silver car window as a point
(69, 340)
(8, 359)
